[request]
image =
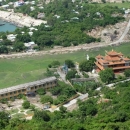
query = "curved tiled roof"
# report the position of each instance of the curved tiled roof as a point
(99, 56)
(114, 53)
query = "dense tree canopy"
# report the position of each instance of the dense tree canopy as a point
(69, 22)
(4, 119)
(90, 114)
(107, 75)
(71, 74)
(87, 65)
(46, 99)
(41, 91)
(69, 63)
(26, 104)
(127, 73)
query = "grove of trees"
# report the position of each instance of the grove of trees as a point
(71, 27)
(87, 65)
(91, 114)
(107, 75)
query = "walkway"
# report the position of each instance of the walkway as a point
(72, 102)
(112, 84)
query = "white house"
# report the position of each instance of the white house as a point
(30, 33)
(57, 16)
(32, 8)
(30, 45)
(11, 37)
(5, 6)
(32, 2)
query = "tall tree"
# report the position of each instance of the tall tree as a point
(4, 119)
(69, 63)
(107, 75)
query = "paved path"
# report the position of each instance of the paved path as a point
(123, 35)
(73, 102)
(112, 84)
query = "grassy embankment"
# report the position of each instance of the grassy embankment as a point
(22, 70)
(120, 5)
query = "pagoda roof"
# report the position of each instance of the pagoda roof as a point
(103, 61)
(101, 67)
(116, 63)
(113, 53)
(99, 56)
(126, 59)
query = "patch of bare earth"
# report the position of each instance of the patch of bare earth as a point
(110, 33)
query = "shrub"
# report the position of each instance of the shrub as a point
(127, 73)
(26, 104)
(46, 98)
(41, 91)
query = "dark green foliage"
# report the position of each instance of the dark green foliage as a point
(107, 75)
(86, 87)
(69, 63)
(88, 108)
(63, 92)
(18, 46)
(56, 90)
(87, 65)
(41, 115)
(23, 38)
(56, 101)
(127, 73)
(63, 109)
(55, 64)
(91, 115)
(4, 119)
(32, 107)
(41, 91)
(71, 74)
(65, 30)
(26, 104)
(46, 99)
(20, 96)
(4, 37)
(6, 42)
(85, 75)
(3, 49)
(4, 101)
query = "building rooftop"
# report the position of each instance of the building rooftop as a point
(99, 56)
(113, 53)
(112, 57)
(26, 85)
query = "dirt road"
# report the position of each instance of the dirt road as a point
(71, 49)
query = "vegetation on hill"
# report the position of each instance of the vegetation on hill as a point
(68, 23)
(109, 112)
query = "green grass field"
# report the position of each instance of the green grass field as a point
(23, 70)
(120, 5)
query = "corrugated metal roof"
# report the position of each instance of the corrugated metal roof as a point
(26, 85)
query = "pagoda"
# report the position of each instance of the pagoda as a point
(117, 61)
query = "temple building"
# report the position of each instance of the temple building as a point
(117, 61)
